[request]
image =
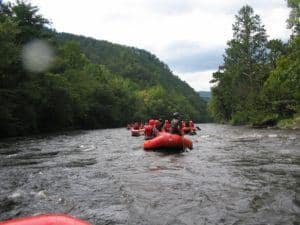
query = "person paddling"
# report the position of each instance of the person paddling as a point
(191, 124)
(158, 127)
(167, 126)
(176, 124)
(136, 126)
(149, 129)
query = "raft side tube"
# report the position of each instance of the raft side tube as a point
(46, 219)
(168, 141)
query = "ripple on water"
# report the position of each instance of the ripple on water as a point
(81, 162)
(234, 175)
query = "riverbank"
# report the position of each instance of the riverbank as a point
(292, 123)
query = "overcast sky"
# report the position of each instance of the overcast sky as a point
(188, 35)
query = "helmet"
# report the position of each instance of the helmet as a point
(151, 122)
(176, 114)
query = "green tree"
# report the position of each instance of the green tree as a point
(31, 24)
(244, 71)
(294, 18)
(251, 39)
(282, 89)
(276, 49)
(9, 51)
(221, 102)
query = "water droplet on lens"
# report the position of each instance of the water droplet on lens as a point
(37, 56)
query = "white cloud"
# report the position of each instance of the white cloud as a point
(159, 25)
(275, 22)
(198, 80)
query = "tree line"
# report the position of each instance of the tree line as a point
(90, 83)
(259, 81)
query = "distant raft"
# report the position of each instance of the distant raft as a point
(168, 142)
(46, 219)
(137, 132)
(189, 130)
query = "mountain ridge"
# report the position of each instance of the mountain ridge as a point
(138, 65)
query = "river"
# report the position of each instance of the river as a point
(234, 175)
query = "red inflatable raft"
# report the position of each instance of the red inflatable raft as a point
(46, 220)
(167, 141)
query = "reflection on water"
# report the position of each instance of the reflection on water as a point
(234, 175)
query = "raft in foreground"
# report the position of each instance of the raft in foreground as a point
(46, 219)
(168, 142)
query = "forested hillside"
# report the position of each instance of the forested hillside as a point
(87, 84)
(259, 82)
(145, 70)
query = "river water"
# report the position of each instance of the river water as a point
(234, 175)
